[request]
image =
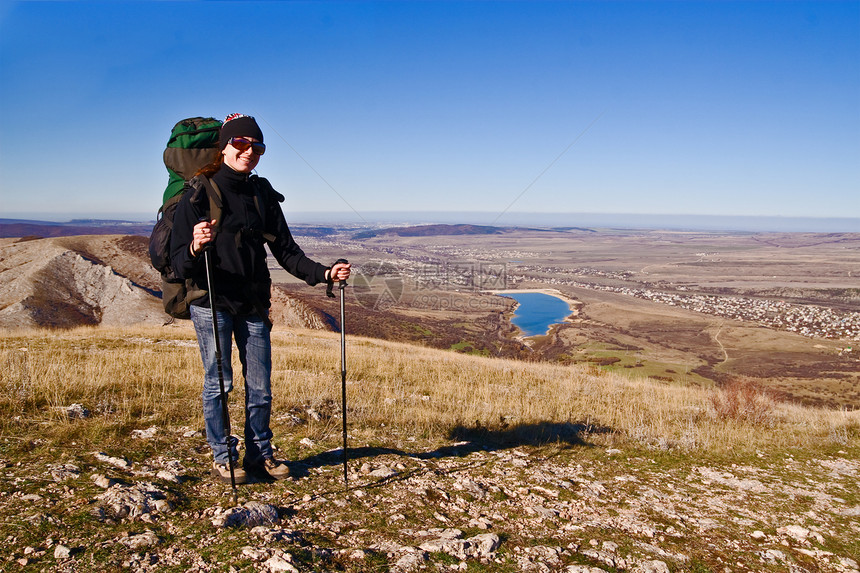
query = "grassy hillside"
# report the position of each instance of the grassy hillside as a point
(153, 374)
(435, 422)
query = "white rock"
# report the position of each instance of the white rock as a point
(653, 566)
(409, 562)
(276, 563)
(383, 473)
(145, 434)
(135, 500)
(62, 472)
(146, 539)
(480, 546)
(610, 546)
(484, 544)
(446, 533)
(77, 412)
(481, 523)
(772, 555)
(795, 531)
(167, 475)
(254, 553)
(116, 462)
(543, 512)
(594, 489)
(251, 515)
(102, 481)
(602, 556)
(62, 552)
(548, 555)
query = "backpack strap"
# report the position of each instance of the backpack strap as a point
(216, 203)
(260, 202)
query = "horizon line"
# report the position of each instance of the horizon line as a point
(112, 215)
(653, 221)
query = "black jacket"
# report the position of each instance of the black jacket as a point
(240, 273)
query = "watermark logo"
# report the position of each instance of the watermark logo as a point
(381, 285)
(378, 285)
(463, 276)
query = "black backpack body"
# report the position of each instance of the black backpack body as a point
(176, 293)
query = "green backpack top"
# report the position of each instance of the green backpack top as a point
(192, 144)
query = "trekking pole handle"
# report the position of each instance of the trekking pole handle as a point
(341, 284)
(208, 244)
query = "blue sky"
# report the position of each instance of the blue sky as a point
(710, 108)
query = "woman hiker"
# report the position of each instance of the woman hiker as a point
(251, 218)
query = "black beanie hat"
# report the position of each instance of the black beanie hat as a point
(238, 125)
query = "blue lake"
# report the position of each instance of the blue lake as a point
(537, 312)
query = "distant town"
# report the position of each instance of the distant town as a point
(453, 270)
(807, 320)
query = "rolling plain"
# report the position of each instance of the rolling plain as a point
(781, 309)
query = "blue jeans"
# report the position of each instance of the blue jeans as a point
(255, 354)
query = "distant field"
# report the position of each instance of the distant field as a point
(440, 302)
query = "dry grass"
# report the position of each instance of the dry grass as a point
(744, 399)
(138, 377)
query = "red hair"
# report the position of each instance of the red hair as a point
(213, 166)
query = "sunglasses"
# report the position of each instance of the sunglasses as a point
(243, 144)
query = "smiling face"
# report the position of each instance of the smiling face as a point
(241, 161)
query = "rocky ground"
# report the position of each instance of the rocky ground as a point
(150, 505)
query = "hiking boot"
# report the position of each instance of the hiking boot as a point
(269, 466)
(222, 472)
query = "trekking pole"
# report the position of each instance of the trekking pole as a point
(342, 285)
(225, 414)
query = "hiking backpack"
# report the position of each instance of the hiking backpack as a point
(193, 143)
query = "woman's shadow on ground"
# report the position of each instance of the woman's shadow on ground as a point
(468, 440)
